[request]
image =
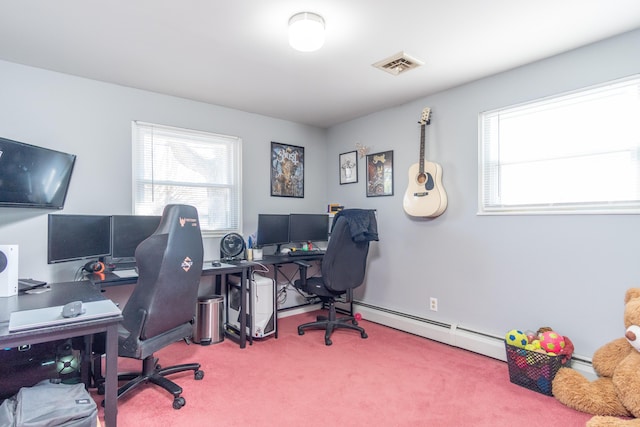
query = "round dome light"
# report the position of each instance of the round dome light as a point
(306, 31)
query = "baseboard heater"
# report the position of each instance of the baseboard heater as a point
(452, 334)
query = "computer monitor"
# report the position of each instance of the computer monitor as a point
(76, 237)
(127, 232)
(308, 228)
(273, 229)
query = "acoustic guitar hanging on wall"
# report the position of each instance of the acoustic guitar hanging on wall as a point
(425, 195)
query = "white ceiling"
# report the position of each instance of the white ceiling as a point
(235, 53)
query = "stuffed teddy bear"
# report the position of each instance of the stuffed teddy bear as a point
(616, 393)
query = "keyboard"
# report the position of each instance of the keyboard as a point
(127, 265)
(306, 253)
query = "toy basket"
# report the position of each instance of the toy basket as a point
(534, 370)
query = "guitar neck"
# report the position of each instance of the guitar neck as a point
(421, 163)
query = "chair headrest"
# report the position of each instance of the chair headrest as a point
(178, 217)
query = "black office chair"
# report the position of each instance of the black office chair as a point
(343, 268)
(161, 308)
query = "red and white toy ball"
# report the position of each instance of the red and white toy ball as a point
(552, 342)
(531, 335)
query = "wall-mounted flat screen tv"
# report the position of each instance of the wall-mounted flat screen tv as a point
(33, 177)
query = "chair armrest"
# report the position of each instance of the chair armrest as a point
(302, 264)
(302, 267)
(130, 343)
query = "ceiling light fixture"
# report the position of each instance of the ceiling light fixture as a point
(306, 31)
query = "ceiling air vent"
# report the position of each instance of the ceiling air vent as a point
(398, 63)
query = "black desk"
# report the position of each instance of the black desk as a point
(283, 259)
(286, 259)
(60, 294)
(277, 260)
(228, 267)
(244, 269)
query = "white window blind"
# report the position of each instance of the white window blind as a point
(174, 165)
(577, 153)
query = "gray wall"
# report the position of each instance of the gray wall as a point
(93, 120)
(489, 273)
(494, 273)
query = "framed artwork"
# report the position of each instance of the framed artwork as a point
(287, 170)
(380, 174)
(348, 167)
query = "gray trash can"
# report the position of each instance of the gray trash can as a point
(209, 327)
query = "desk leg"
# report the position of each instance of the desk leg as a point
(246, 275)
(111, 377)
(86, 359)
(243, 310)
(275, 298)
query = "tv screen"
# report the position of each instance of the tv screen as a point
(33, 177)
(308, 228)
(273, 229)
(127, 232)
(76, 237)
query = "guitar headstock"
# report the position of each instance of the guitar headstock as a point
(426, 116)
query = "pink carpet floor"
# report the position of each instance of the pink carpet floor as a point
(390, 379)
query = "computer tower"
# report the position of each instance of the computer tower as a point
(260, 313)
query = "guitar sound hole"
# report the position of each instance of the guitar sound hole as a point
(421, 178)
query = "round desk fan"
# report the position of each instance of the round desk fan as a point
(232, 246)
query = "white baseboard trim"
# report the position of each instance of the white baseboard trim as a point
(454, 335)
(286, 312)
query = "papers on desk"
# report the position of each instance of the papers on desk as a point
(209, 265)
(52, 316)
(126, 273)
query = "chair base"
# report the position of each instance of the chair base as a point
(154, 373)
(331, 323)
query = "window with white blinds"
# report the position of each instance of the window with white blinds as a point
(174, 165)
(574, 153)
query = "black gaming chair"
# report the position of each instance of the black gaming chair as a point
(161, 308)
(343, 268)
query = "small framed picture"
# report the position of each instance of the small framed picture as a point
(380, 174)
(348, 167)
(287, 170)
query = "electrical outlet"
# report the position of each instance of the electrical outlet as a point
(433, 304)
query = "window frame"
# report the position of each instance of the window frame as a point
(234, 161)
(489, 166)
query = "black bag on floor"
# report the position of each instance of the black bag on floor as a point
(49, 404)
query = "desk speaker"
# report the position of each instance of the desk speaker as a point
(8, 270)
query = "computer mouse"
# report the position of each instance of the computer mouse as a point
(72, 309)
(216, 264)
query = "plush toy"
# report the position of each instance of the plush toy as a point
(616, 393)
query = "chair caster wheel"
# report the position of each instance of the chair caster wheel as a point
(179, 402)
(300, 332)
(327, 341)
(364, 335)
(198, 374)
